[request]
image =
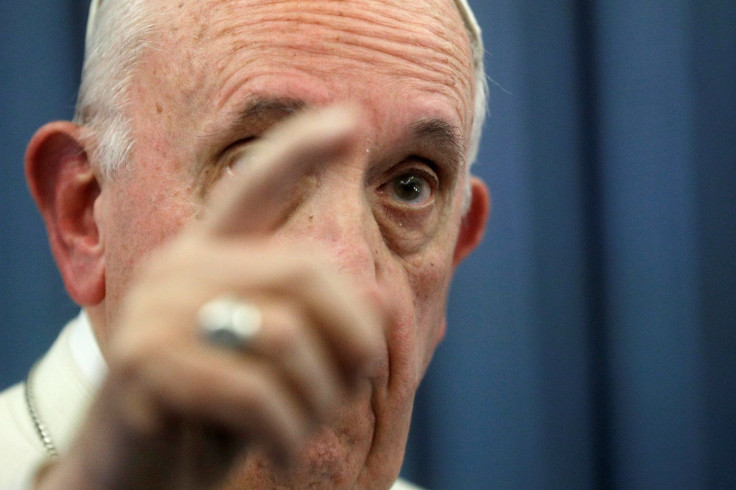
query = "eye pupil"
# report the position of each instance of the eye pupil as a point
(408, 187)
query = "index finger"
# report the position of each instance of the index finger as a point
(258, 196)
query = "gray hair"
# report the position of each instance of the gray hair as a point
(117, 34)
(481, 80)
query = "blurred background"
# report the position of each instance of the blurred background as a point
(592, 338)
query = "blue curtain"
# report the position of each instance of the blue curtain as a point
(592, 338)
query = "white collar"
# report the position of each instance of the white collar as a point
(86, 351)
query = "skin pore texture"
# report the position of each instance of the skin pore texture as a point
(218, 77)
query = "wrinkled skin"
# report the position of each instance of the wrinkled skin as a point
(344, 226)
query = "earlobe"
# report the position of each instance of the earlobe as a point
(474, 222)
(65, 188)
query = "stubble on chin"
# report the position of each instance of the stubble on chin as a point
(333, 459)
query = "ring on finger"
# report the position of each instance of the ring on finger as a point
(229, 322)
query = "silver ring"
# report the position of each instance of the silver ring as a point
(229, 322)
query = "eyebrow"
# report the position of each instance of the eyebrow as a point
(439, 135)
(443, 137)
(257, 115)
(267, 107)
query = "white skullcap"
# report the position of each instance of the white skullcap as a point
(91, 22)
(471, 23)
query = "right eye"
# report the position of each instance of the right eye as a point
(411, 189)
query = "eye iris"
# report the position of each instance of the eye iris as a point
(408, 187)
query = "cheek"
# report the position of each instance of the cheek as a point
(422, 318)
(430, 282)
(431, 272)
(422, 288)
(141, 218)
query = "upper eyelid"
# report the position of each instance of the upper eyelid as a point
(431, 179)
(409, 165)
(235, 146)
(240, 142)
(385, 169)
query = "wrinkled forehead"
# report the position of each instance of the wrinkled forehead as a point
(466, 13)
(207, 56)
(422, 44)
(445, 26)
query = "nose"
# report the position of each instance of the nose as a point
(332, 217)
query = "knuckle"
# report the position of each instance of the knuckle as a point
(283, 338)
(254, 393)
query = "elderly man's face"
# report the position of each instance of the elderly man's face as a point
(220, 73)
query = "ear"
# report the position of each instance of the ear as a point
(474, 222)
(65, 189)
